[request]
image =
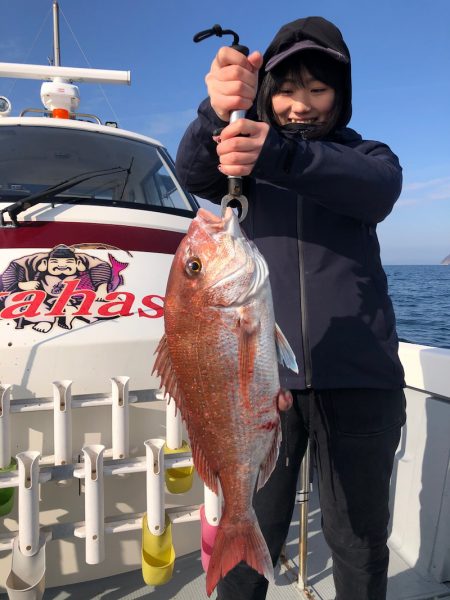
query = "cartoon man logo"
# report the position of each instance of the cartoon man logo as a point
(51, 271)
(61, 262)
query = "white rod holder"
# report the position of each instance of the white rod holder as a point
(28, 466)
(120, 417)
(62, 421)
(213, 506)
(174, 431)
(5, 424)
(94, 503)
(155, 486)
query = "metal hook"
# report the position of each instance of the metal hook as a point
(240, 202)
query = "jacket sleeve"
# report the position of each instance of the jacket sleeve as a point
(197, 161)
(359, 179)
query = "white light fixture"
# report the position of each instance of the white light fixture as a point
(5, 107)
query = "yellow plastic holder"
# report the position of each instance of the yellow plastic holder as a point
(179, 479)
(7, 494)
(158, 554)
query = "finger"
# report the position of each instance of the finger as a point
(284, 400)
(256, 60)
(218, 89)
(229, 56)
(230, 88)
(238, 158)
(237, 145)
(236, 171)
(241, 127)
(235, 73)
(230, 103)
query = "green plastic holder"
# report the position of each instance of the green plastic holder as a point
(7, 494)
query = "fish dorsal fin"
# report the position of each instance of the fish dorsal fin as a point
(165, 371)
(285, 354)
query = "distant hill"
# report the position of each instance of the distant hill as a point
(446, 260)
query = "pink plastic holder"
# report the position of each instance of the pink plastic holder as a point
(208, 533)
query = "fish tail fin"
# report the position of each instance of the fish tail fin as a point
(241, 541)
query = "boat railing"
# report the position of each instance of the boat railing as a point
(48, 113)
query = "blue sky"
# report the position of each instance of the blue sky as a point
(401, 80)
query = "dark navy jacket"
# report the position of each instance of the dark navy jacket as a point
(313, 211)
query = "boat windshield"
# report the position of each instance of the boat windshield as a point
(136, 174)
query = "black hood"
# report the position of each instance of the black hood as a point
(324, 34)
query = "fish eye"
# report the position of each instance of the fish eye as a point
(193, 266)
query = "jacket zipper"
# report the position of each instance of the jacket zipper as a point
(303, 313)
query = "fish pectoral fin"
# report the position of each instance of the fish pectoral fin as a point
(285, 354)
(249, 327)
(268, 465)
(164, 369)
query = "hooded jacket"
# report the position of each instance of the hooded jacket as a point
(313, 210)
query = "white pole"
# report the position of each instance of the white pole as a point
(174, 430)
(94, 504)
(213, 506)
(56, 50)
(305, 488)
(28, 463)
(5, 424)
(62, 422)
(120, 417)
(155, 486)
(74, 74)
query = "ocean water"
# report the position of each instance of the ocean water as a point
(421, 298)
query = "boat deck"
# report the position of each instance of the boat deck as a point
(188, 582)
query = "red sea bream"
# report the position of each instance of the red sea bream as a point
(218, 360)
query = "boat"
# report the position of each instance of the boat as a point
(97, 489)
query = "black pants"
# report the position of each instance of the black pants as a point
(354, 435)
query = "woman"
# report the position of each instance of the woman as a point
(316, 192)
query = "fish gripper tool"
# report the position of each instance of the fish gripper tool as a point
(235, 198)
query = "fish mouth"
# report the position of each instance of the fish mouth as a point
(231, 224)
(213, 224)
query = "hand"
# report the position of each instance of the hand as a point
(233, 81)
(101, 291)
(238, 155)
(284, 400)
(28, 285)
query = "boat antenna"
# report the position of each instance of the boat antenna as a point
(56, 47)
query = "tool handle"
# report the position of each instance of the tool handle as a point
(234, 183)
(238, 114)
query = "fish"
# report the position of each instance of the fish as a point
(218, 360)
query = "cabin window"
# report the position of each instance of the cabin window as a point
(104, 169)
